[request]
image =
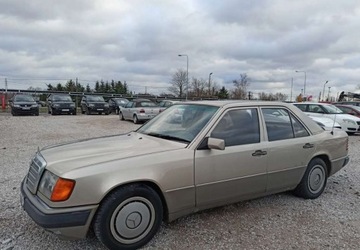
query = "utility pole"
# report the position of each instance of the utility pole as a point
(292, 82)
(249, 95)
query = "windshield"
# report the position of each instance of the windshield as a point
(62, 98)
(95, 99)
(24, 98)
(145, 104)
(331, 109)
(179, 122)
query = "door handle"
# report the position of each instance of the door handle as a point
(259, 153)
(308, 145)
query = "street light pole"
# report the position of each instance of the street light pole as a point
(187, 75)
(324, 90)
(298, 71)
(210, 82)
(329, 94)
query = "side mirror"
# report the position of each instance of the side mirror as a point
(214, 143)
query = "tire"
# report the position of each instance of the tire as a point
(13, 113)
(82, 111)
(52, 112)
(113, 224)
(122, 117)
(37, 113)
(107, 113)
(314, 180)
(135, 119)
(88, 112)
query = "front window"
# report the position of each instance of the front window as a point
(238, 127)
(95, 99)
(179, 122)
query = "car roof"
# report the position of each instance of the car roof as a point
(317, 103)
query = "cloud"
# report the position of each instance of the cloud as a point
(139, 41)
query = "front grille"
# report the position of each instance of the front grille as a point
(25, 105)
(36, 169)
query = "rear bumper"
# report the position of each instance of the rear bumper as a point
(338, 164)
(69, 223)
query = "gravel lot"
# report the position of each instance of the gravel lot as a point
(276, 222)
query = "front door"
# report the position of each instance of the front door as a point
(239, 171)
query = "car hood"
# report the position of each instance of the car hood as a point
(66, 157)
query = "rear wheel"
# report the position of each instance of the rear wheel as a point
(314, 180)
(135, 119)
(129, 217)
(122, 117)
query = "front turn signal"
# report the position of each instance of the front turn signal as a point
(62, 190)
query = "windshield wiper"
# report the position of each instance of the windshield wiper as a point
(168, 137)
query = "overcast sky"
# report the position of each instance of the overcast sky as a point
(138, 41)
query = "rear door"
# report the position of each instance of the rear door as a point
(290, 148)
(127, 110)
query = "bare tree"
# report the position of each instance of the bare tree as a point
(272, 97)
(178, 83)
(240, 87)
(198, 87)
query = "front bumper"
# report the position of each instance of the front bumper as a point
(69, 223)
(99, 109)
(25, 111)
(64, 110)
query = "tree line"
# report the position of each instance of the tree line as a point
(115, 87)
(202, 88)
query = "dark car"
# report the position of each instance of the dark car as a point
(23, 105)
(116, 103)
(61, 104)
(349, 109)
(94, 104)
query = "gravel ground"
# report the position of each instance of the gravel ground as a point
(275, 222)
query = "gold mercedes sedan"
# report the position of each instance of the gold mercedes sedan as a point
(190, 157)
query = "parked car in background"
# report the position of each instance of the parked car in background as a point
(164, 104)
(60, 104)
(116, 103)
(348, 123)
(94, 104)
(122, 187)
(349, 109)
(22, 104)
(353, 103)
(139, 110)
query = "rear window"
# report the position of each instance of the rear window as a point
(145, 104)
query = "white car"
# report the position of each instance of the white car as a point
(326, 123)
(348, 123)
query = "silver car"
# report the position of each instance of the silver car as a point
(139, 110)
(219, 152)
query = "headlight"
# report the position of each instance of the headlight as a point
(55, 188)
(349, 121)
(72, 105)
(106, 105)
(35, 105)
(91, 105)
(56, 105)
(16, 106)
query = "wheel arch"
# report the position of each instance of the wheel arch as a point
(327, 161)
(150, 184)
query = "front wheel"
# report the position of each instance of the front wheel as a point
(129, 217)
(314, 180)
(122, 116)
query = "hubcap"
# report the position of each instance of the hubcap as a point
(132, 220)
(316, 179)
